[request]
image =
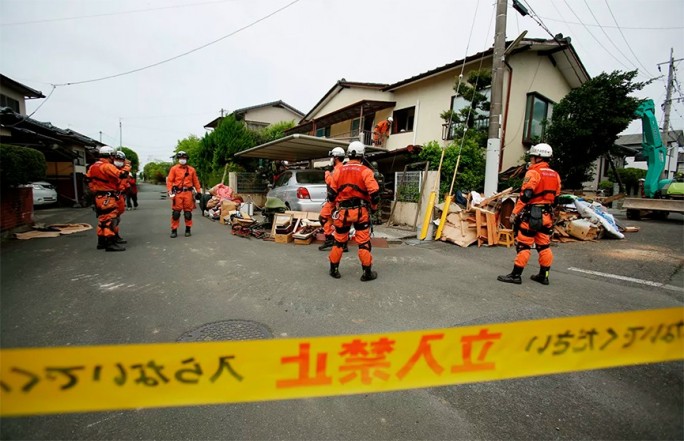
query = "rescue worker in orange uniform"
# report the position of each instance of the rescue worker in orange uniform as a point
(182, 184)
(123, 164)
(104, 179)
(325, 218)
(356, 194)
(382, 131)
(533, 216)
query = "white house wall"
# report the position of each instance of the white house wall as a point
(11, 93)
(531, 73)
(271, 115)
(351, 95)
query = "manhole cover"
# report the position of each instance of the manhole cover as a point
(228, 330)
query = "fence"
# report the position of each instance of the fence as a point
(250, 183)
(407, 186)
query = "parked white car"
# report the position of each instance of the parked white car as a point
(301, 190)
(43, 193)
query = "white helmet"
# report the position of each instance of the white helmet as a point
(356, 149)
(106, 151)
(390, 119)
(337, 152)
(542, 150)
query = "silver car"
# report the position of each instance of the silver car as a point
(43, 193)
(301, 190)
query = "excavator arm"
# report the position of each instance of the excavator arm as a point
(652, 146)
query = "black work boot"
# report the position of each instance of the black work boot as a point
(187, 232)
(113, 246)
(513, 277)
(119, 239)
(368, 274)
(329, 242)
(543, 276)
(335, 270)
(101, 242)
(174, 233)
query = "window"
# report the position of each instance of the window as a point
(323, 132)
(537, 116)
(355, 124)
(403, 120)
(459, 103)
(6, 101)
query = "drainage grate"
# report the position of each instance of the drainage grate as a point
(228, 330)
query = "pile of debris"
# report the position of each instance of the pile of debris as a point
(485, 221)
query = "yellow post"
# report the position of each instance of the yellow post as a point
(447, 201)
(431, 202)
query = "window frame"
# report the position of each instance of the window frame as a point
(532, 97)
(403, 118)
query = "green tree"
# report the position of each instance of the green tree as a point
(133, 157)
(587, 121)
(472, 91)
(20, 165)
(471, 169)
(191, 146)
(156, 172)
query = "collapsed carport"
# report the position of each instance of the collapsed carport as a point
(298, 148)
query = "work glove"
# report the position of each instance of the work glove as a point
(513, 218)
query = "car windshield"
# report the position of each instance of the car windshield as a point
(311, 177)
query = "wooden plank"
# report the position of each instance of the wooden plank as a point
(478, 226)
(492, 238)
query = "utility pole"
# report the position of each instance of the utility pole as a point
(120, 134)
(100, 135)
(666, 108)
(494, 137)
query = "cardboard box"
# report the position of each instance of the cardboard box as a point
(582, 229)
(283, 238)
(306, 241)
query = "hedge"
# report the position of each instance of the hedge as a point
(21, 165)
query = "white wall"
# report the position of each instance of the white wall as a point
(271, 115)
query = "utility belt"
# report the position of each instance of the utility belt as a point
(353, 203)
(534, 215)
(181, 189)
(115, 194)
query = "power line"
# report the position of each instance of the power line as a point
(626, 42)
(184, 53)
(642, 28)
(608, 36)
(135, 11)
(594, 37)
(534, 16)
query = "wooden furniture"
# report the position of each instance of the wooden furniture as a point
(506, 237)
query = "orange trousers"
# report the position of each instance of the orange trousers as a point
(360, 219)
(106, 210)
(326, 218)
(526, 238)
(183, 202)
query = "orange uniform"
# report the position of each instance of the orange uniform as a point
(104, 180)
(381, 132)
(326, 212)
(182, 180)
(355, 192)
(544, 184)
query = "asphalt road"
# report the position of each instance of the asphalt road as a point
(62, 291)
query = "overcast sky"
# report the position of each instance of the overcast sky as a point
(290, 50)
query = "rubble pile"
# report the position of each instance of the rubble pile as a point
(485, 221)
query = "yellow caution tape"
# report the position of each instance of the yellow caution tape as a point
(78, 379)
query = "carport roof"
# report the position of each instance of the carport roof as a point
(298, 147)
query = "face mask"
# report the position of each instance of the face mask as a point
(183, 161)
(119, 163)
